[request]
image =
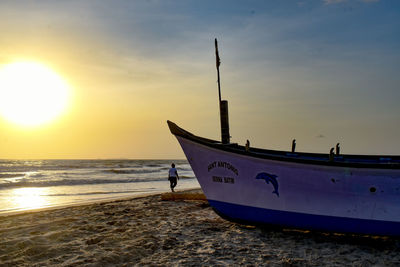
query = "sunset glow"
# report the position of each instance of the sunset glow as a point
(321, 72)
(31, 93)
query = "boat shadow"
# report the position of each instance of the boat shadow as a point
(366, 241)
(371, 241)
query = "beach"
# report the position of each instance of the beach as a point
(185, 232)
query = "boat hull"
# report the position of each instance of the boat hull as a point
(290, 194)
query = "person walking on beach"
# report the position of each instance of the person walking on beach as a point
(173, 176)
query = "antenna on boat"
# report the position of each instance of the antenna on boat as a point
(223, 104)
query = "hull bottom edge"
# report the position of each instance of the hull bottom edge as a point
(286, 219)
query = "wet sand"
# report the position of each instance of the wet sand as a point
(155, 232)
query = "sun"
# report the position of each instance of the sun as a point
(31, 94)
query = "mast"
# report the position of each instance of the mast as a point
(223, 104)
(218, 63)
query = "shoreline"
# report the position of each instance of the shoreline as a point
(149, 231)
(89, 202)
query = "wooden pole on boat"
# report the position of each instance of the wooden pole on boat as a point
(218, 63)
(223, 104)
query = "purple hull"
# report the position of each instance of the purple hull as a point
(350, 193)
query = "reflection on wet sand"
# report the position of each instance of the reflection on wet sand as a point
(29, 198)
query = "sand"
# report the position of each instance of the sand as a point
(177, 232)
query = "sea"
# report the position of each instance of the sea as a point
(37, 184)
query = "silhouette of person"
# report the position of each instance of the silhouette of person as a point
(173, 176)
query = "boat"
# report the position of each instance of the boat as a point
(331, 192)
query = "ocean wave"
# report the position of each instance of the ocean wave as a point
(184, 169)
(133, 171)
(186, 177)
(11, 175)
(35, 175)
(72, 182)
(102, 192)
(153, 165)
(38, 165)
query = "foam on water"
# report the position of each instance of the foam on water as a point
(29, 184)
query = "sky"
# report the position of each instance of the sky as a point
(322, 72)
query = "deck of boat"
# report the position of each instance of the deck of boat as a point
(342, 160)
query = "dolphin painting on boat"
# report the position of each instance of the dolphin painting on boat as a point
(269, 178)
